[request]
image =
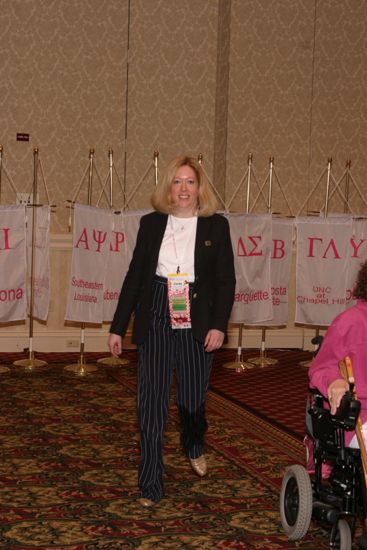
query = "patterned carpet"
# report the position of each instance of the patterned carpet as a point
(69, 458)
(276, 393)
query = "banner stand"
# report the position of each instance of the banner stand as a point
(262, 360)
(238, 364)
(31, 363)
(112, 361)
(3, 369)
(81, 368)
(308, 362)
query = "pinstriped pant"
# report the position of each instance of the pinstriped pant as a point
(164, 351)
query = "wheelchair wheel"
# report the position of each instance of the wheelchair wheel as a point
(341, 537)
(296, 502)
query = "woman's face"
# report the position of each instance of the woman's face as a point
(184, 192)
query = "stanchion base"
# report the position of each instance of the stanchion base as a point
(238, 366)
(81, 369)
(305, 363)
(4, 369)
(113, 361)
(263, 361)
(30, 364)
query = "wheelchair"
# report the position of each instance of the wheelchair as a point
(332, 489)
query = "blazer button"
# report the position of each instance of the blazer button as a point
(194, 295)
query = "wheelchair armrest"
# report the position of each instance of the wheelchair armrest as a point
(346, 415)
(348, 411)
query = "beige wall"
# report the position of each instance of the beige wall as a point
(281, 78)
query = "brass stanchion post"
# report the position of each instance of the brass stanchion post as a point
(31, 362)
(327, 193)
(239, 365)
(112, 361)
(81, 368)
(2, 368)
(262, 360)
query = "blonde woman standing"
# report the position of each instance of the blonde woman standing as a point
(180, 285)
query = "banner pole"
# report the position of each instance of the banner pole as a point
(316, 340)
(81, 368)
(239, 365)
(112, 361)
(31, 362)
(262, 360)
(155, 156)
(327, 192)
(3, 369)
(347, 182)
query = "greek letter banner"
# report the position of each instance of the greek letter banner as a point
(41, 261)
(323, 255)
(13, 269)
(251, 242)
(122, 243)
(91, 243)
(357, 255)
(282, 231)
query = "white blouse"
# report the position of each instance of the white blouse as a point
(177, 248)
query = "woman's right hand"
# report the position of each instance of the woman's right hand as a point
(115, 344)
(335, 392)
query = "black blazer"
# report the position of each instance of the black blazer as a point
(214, 285)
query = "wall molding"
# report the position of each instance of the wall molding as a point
(68, 339)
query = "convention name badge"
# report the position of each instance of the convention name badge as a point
(178, 300)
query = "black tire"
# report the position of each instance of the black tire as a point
(296, 502)
(342, 538)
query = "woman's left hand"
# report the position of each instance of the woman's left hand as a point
(214, 340)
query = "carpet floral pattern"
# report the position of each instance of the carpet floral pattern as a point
(68, 470)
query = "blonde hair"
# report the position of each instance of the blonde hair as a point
(161, 198)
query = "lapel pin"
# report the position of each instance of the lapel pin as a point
(208, 243)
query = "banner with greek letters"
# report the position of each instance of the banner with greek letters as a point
(251, 242)
(323, 254)
(41, 261)
(357, 255)
(91, 243)
(282, 232)
(122, 243)
(13, 264)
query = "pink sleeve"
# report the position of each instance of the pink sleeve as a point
(324, 368)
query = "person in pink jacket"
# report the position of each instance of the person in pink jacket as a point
(346, 337)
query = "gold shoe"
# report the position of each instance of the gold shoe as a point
(199, 465)
(146, 502)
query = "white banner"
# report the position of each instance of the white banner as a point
(323, 255)
(124, 232)
(92, 236)
(357, 255)
(280, 270)
(41, 261)
(13, 268)
(252, 248)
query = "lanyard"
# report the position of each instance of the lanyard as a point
(175, 245)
